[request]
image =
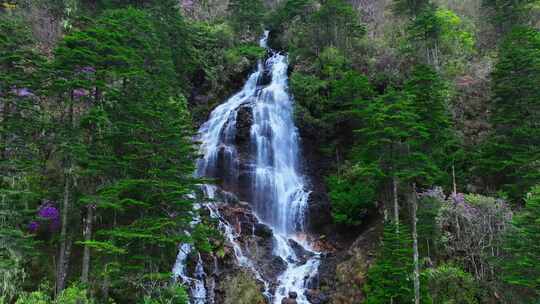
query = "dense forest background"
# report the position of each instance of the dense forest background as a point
(421, 117)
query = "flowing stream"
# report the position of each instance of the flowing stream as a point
(276, 189)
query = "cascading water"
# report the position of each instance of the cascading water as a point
(280, 195)
(275, 187)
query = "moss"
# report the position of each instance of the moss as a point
(242, 289)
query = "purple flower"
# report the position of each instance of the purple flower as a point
(33, 226)
(22, 92)
(49, 212)
(78, 93)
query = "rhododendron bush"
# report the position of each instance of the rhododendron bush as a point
(472, 228)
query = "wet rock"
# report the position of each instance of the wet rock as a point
(246, 228)
(343, 273)
(291, 299)
(278, 265)
(300, 252)
(316, 296)
(263, 230)
(244, 120)
(241, 288)
(265, 78)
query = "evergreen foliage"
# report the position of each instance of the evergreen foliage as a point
(246, 15)
(520, 265)
(97, 158)
(389, 279)
(450, 284)
(510, 157)
(505, 14)
(20, 159)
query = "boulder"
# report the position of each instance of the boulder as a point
(262, 230)
(315, 296)
(242, 288)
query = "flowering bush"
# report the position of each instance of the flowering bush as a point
(47, 214)
(48, 211)
(472, 227)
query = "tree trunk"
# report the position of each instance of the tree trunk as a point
(395, 197)
(415, 246)
(61, 269)
(454, 179)
(87, 237)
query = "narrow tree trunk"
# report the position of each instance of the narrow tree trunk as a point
(454, 179)
(63, 252)
(395, 197)
(415, 246)
(87, 237)
(61, 269)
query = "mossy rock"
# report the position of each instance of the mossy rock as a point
(242, 288)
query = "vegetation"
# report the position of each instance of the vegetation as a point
(97, 158)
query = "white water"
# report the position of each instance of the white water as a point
(277, 189)
(195, 282)
(280, 195)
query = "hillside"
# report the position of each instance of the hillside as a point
(269, 151)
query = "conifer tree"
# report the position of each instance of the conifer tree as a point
(520, 266)
(20, 159)
(506, 14)
(510, 157)
(389, 278)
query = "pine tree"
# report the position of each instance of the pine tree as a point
(506, 14)
(20, 160)
(439, 146)
(520, 265)
(389, 278)
(510, 157)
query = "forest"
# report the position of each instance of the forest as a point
(269, 151)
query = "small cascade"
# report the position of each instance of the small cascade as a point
(198, 292)
(231, 236)
(179, 269)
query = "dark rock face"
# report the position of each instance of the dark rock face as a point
(343, 273)
(255, 240)
(316, 297)
(244, 120)
(262, 231)
(300, 252)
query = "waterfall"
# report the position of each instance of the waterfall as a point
(280, 195)
(275, 188)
